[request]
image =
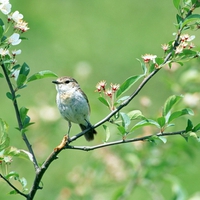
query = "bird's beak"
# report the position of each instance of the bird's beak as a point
(55, 82)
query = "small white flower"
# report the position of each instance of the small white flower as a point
(16, 16)
(148, 57)
(16, 52)
(191, 45)
(165, 47)
(179, 49)
(4, 1)
(14, 39)
(187, 37)
(192, 37)
(4, 52)
(22, 26)
(5, 7)
(15, 74)
(184, 44)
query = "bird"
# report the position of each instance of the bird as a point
(73, 105)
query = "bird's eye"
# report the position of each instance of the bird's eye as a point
(67, 81)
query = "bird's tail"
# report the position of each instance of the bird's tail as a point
(90, 134)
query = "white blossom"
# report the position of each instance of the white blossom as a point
(4, 52)
(148, 57)
(14, 39)
(22, 26)
(4, 1)
(16, 52)
(5, 7)
(16, 16)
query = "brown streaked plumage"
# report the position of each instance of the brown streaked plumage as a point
(73, 104)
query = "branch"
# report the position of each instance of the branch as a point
(142, 84)
(89, 148)
(12, 186)
(44, 167)
(65, 143)
(20, 125)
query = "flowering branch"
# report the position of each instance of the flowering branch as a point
(7, 62)
(20, 125)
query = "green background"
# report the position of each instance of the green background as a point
(94, 40)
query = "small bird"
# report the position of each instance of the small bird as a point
(73, 104)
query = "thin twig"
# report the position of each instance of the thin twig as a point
(12, 186)
(142, 84)
(144, 138)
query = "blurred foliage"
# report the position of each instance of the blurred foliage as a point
(92, 41)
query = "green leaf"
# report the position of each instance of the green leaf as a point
(163, 139)
(176, 4)
(153, 139)
(143, 66)
(1, 75)
(191, 18)
(135, 114)
(23, 113)
(125, 120)
(161, 121)
(9, 95)
(1, 23)
(197, 3)
(26, 122)
(15, 175)
(13, 192)
(122, 130)
(152, 67)
(12, 174)
(189, 126)
(21, 79)
(104, 101)
(131, 80)
(16, 67)
(179, 19)
(107, 130)
(169, 125)
(177, 114)
(1, 31)
(120, 100)
(24, 69)
(170, 102)
(159, 61)
(41, 74)
(23, 181)
(20, 153)
(187, 54)
(196, 128)
(4, 139)
(127, 84)
(146, 122)
(17, 96)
